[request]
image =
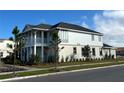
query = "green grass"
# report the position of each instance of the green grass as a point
(21, 74)
(5, 76)
(35, 72)
(91, 66)
(29, 73)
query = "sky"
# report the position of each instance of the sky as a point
(110, 23)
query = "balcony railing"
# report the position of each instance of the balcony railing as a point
(39, 40)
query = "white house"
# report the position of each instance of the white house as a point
(6, 47)
(73, 37)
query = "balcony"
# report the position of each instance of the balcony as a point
(39, 40)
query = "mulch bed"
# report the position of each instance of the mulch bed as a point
(10, 69)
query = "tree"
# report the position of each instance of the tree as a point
(15, 33)
(87, 52)
(55, 40)
(19, 43)
(11, 38)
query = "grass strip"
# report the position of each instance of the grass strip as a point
(37, 72)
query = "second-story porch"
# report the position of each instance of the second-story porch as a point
(36, 38)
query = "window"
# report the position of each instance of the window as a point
(100, 52)
(82, 51)
(1, 54)
(92, 37)
(93, 51)
(74, 50)
(99, 38)
(63, 35)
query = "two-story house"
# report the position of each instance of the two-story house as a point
(73, 37)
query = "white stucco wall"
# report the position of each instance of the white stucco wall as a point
(78, 38)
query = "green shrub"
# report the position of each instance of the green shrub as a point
(62, 60)
(66, 59)
(33, 60)
(8, 59)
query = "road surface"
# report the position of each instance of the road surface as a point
(111, 74)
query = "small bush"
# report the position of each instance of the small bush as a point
(66, 59)
(76, 60)
(33, 60)
(62, 60)
(8, 59)
(80, 60)
(112, 56)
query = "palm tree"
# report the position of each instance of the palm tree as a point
(15, 33)
(18, 44)
(55, 40)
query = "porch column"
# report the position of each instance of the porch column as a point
(21, 54)
(31, 43)
(42, 46)
(35, 37)
(27, 53)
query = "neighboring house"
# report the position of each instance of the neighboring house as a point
(6, 47)
(109, 50)
(120, 52)
(73, 37)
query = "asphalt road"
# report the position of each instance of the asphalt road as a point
(111, 74)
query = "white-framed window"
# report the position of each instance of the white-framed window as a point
(100, 52)
(82, 51)
(92, 37)
(99, 37)
(63, 35)
(74, 50)
(93, 52)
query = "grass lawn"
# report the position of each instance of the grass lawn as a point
(29, 73)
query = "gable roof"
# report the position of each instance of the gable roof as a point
(106, 45)
(42, 26)
(61, 25)
(73, 26)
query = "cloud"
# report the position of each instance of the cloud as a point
(111, 24)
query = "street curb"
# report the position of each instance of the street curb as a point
(55, 73)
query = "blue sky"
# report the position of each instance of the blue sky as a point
(9, 19)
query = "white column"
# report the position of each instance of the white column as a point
(35, 37)
(31, 44)
(27, 53)
(42, 46)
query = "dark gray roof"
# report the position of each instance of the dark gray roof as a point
(73, 26)
(43, 26)
(61, 24)
(106, 45)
